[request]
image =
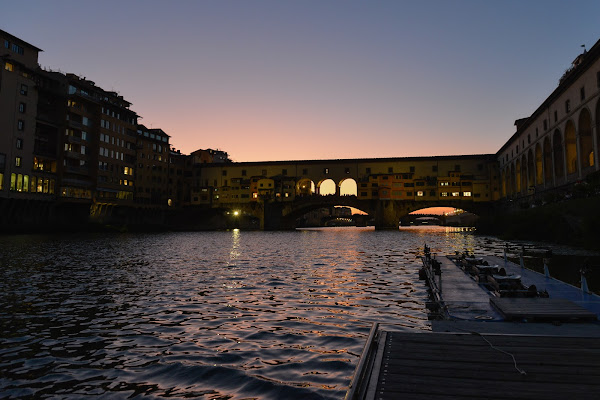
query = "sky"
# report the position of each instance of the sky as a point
(295, 80)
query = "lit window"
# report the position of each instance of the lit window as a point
(444, 194)
(9, 67)
(467, 194)
(18, 161)
(455, 194)
(255, 195)
(420, 193)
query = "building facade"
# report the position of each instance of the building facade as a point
(19, 102)
(557, 146)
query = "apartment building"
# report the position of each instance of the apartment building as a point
(152, 175)
(18, 102)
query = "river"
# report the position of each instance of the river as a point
(210, 315)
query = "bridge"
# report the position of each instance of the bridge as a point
(279, 192)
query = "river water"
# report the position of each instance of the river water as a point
(210, 315)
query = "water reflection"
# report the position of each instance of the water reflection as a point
(209, 315)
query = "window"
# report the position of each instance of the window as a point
(22, 107)
(18, 161)
(9, 67)
(224, 172)
(284, 171)
(455, 194)
(457, 168)
(264, 172)
(598, 79)
(528, 138)
(24, 89)
(17, 49)
(390, 170)
(567, 107)
(305, 171)
(346, 171)
(20, 125)
(545, 125)
(243, 172)
(467, 194)
(555, 116)
(19, 143)
(411, 169)
(420, 193)
(7, 44)
(325, 171)
(582, 93)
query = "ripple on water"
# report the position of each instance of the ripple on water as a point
(209, 315)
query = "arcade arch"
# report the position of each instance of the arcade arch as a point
(571, 147)
(559, 170)
(326, 187)
(547, 160)
(348, 187)
(530, 169)
(586, 144)
(305, 187)
(518, 176)
(539, 165)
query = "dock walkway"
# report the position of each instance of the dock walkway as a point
(476, 353)
(474, 366)
(463, 297)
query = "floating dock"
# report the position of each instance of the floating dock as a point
(485, 346)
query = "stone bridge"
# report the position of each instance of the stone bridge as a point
(275, 215)
(279, 192)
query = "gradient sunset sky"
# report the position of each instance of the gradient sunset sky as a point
(290, 80)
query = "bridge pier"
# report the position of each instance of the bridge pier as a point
(389, 212)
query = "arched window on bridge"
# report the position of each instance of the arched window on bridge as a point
(348, 187)
(305, 187)
(326, 187)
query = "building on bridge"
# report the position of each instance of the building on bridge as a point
(434, 179)
(558, 145)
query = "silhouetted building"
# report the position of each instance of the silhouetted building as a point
(151, 178)
(18, 105)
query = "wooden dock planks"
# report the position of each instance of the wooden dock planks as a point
(444, 366)
(539, 308)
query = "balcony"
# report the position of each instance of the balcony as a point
(73, 139)
(77, 170)
(74, 154)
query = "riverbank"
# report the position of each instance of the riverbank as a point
(574, 222)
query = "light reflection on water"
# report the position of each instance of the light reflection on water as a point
(213, 315)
